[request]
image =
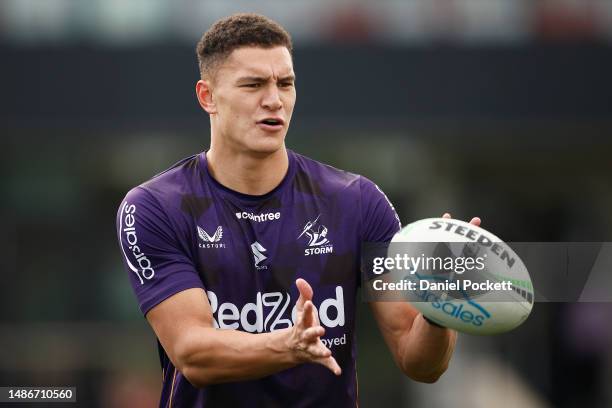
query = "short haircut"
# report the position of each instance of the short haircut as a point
(236, 31)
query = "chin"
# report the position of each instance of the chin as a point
(266, 150)
(267, 145)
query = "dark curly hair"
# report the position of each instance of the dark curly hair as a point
(235, 31)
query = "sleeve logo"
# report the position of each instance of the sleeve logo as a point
(127, 233)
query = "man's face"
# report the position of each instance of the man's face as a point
(253, 95)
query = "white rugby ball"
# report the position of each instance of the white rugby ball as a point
(480, 311)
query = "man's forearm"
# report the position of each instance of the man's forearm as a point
(207, 355)
(426, 350)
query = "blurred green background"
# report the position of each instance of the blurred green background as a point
(495, 108)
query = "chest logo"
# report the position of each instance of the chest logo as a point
(258, 255)
(270, 216)
(318, 243)
(209, 241)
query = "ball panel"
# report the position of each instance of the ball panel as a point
(482, 313)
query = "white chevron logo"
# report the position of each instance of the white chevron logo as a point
(216, 237)
(258, 256)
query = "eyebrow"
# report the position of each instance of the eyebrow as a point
(264, 79)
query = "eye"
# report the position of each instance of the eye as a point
(285, 84)
(253, 85)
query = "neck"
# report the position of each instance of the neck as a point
(248, 173)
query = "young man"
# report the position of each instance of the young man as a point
(245, 258)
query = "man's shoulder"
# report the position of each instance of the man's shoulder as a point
(325, 178)
(176, 179)
(351, 194)
(169, 187)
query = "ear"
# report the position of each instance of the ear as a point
(204, 94)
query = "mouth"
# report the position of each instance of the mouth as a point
(271, 124)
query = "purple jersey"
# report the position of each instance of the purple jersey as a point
(182, 229)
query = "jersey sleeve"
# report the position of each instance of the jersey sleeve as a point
(379, 220)
(157, 266)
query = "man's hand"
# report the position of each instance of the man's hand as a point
(305, 338)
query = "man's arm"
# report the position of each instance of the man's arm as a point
(205, 355)
(421, 350)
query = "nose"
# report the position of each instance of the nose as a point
(271, 99)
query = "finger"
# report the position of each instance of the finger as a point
(446, 215)
(305, 292)
(307, 315)
(475, 221)
(312, 333)
(319, 351)
(331, 363)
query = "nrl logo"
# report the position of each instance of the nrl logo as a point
(209, 241)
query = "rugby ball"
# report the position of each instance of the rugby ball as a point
(494, 296)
